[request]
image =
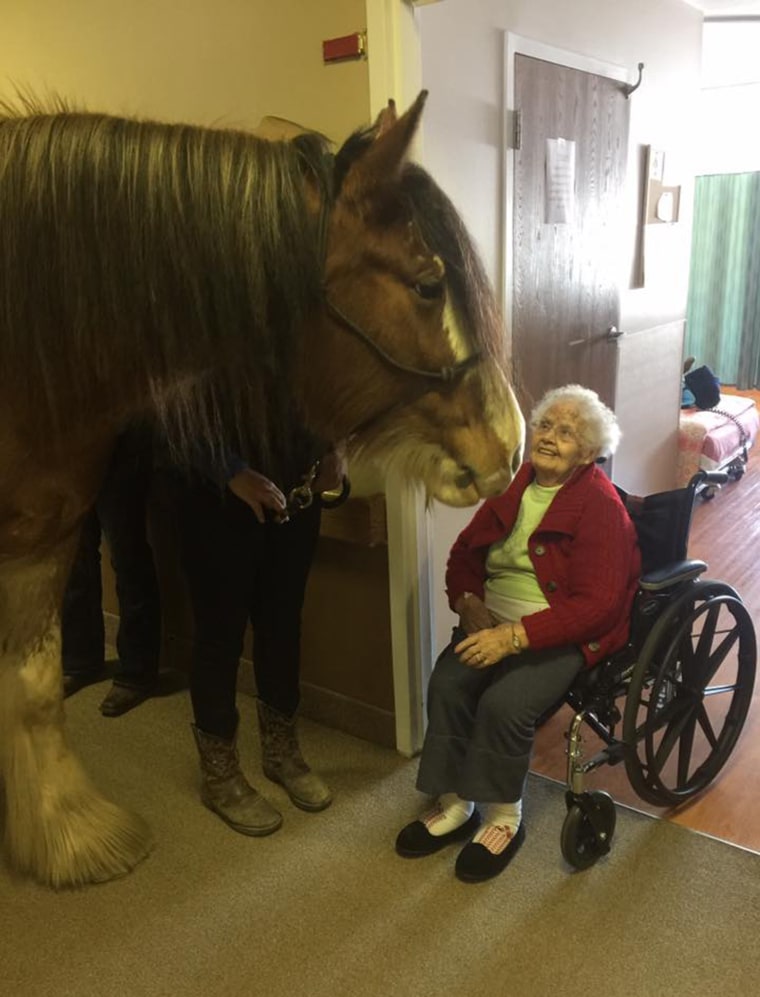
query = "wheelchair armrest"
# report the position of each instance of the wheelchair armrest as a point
(672, 574)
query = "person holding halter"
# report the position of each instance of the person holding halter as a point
(247, 552)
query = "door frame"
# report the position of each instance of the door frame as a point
(395, 70)
(515, 44)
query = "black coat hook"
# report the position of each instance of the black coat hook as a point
(628, 88)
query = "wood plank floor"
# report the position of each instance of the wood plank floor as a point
(725, 533)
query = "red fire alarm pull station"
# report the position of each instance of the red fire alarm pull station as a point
(348, 47)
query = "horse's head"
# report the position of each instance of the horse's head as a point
(407, 360)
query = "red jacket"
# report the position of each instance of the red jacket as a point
(584, 553)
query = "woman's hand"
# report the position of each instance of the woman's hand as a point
(259, 493)
(487, 647)
(472, 612)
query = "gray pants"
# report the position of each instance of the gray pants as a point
(482, 721)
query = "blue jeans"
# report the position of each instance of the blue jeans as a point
(119, 515)
(482, 720)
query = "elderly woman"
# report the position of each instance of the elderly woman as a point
(542, 580)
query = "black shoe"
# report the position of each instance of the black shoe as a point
(123, 698)
(414, 841)
(74, 681)
(475, 863)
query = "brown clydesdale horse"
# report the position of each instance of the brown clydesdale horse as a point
(233, 287)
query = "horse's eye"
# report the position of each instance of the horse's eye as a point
(429, 290)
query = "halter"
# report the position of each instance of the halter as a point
(446, 375)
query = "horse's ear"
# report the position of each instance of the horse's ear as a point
(386, 118)
(386, 156)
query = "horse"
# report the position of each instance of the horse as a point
(230, 287)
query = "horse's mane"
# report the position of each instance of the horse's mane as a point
(131, 251)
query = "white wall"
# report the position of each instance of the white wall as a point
(229, 62)
(462, 63)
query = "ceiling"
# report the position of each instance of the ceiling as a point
(714, 8)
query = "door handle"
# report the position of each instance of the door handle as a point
(614, 333)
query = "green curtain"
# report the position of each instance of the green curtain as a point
(723, 313)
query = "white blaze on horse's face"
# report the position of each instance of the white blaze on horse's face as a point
(460, 345)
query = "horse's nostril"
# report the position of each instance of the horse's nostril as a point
(465, 477)
(516, 460)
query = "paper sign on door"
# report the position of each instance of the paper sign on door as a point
(560, 180)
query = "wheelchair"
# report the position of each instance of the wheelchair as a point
(687, 675)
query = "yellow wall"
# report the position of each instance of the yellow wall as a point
(228, 62)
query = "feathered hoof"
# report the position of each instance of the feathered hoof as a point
(95, 843)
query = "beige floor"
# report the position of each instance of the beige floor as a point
(325, 908)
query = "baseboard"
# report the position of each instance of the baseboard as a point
(324, 706)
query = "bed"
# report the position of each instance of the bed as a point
(717, 439)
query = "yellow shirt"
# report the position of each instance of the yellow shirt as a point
(512, 589)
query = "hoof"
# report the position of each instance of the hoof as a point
(93, 844)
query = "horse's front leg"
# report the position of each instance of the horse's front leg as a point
(58, 828)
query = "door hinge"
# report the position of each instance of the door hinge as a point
(516, 129)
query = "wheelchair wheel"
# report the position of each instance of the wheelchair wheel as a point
(588, 829)
(689, 694)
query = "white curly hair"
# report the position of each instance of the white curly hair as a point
(598, 423)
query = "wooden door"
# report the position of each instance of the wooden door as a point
(569, 170)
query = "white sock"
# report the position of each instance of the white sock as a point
(448, 813)
(500, 824)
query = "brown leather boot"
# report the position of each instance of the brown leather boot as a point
(225, 790)
(283, 762)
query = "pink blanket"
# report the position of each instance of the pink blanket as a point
(708, 440)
